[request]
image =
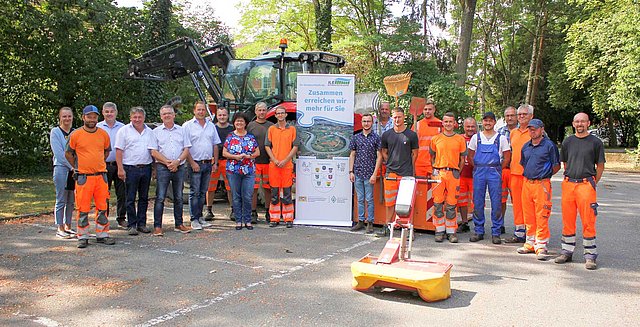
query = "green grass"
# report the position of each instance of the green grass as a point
(34, 194)
(26, 195)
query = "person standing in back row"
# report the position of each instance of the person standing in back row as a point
(583, 158)
(112, 126)
(281, 144)
(223, 128)
(448, 152)
(259, 128)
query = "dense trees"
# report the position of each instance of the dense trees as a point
(65, 53)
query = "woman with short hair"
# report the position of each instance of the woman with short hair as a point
(241, 149)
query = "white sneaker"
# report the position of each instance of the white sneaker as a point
(205, 224)
(195, 225)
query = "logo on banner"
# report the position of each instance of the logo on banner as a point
(339, 82)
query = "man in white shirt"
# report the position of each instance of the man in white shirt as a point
(134, 167)
(112, 126)
(489, 155)
(202, 158)
(169, 145)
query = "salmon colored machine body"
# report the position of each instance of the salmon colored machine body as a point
(394, 268)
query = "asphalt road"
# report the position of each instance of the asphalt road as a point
(301, 276)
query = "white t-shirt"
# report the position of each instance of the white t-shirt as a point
(134, 145)
(504, 144)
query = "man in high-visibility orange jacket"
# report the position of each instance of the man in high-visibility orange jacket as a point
(281, 145)
(519, 137)
(448, 152)
(87, 150)
(583, 158)
(426, 128)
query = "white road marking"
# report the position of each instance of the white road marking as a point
(39, 320)
(287, 272)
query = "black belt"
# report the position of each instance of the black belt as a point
(112, 163)
(92, 174)
(447, 169)
(578, 180)
(203, 161)
(139, 166)
(540, 180)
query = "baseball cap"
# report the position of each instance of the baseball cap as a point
(536, 123)
(89, 109)
(489, 114)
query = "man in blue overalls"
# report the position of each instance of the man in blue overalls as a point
(490, 153)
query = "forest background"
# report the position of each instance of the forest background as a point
(470, 56)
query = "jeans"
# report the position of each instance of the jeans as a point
(364, 191)
(165, 176)
(198, 189)
(242, 188)
(137, 181)
(65, 199)
(118, 185)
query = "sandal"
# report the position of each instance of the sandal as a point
(239, 227)
(249, 227)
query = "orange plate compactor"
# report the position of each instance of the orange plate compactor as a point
(394, 268)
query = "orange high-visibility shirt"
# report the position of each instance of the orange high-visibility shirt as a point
(281, 141)
(89, 148)
(518, 139)
(447, 150)
(426, 129)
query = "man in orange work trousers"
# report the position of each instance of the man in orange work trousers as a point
(541, 160)
(583, 158)
(281, 145)
(448, 152)
(87, 150)
(519, 136)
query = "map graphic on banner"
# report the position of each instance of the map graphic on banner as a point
(325, 125)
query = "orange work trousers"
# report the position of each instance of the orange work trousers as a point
(536, 205)
(96, 188)
(579, 196)
(506, 178)
(215, 177)
(515, 187)
(445, 193)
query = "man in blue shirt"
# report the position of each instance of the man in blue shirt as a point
(541, 160)
(364, 162)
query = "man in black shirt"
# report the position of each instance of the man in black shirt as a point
(583, 158)
(399, 152)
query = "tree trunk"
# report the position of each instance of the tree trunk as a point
(322, 10)
(466, 32)
(536, 60)
(613, 136)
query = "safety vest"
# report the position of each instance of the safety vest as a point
(426, 129)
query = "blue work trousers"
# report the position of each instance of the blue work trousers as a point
(65, 199)
(491, 178)
(364, 191)
(177, 184)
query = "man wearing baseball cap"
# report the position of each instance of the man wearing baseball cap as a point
(540, 159)
(87, 150)
(490, 153)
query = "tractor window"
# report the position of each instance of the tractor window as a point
(262, 82)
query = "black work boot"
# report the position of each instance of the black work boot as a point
(369, 229)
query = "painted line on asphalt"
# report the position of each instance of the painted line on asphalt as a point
(165, 250)
(44, 321)
(226, 295)
(333, 229)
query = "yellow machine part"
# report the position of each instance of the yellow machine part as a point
(430, 279)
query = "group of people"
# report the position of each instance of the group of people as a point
(518, 159)
(90, 159)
